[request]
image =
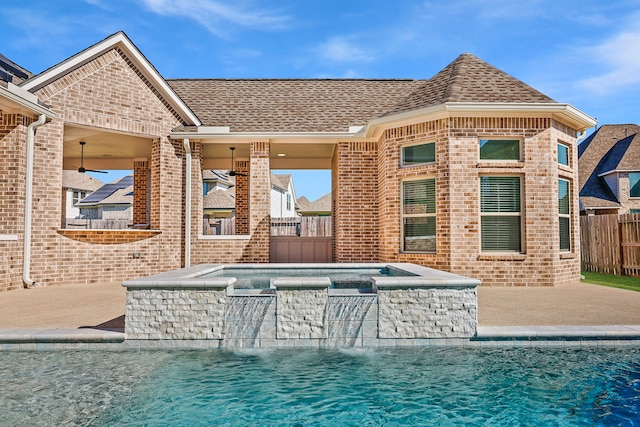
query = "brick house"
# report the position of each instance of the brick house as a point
(609, 169)
(457, 172)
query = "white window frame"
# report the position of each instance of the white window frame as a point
(563, 215)
(502, 138)
(413, 144)
(568, 148)
(631, 186)
(519, 214)
(420, 215)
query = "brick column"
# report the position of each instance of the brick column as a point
(141, 194)
(242, 197)
(355, 185)
(260, 201)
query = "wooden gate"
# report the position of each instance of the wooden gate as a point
(301, 239)
(611, 244)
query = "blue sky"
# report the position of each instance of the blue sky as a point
(582, 52)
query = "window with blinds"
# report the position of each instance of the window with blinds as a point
(418, 154)
(419, 215)
(501, 213)
(563, 155)
(564, 214)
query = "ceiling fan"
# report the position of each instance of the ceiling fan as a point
(82, 169)
(232, 172)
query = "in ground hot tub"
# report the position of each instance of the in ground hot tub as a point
(310, 305)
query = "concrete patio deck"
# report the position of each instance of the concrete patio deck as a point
(95, 313)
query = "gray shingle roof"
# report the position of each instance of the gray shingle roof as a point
(80, 181)
(290, 105)
(323, 204)
(219, 199)
(469, 79)
(611, 147)
(333, 105)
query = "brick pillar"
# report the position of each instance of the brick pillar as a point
(141, 193)
(242, 197)
(260, 201)
(355, 185)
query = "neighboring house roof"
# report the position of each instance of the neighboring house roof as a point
(323, 204)
(116, 192)
(610, 148)
(281, 181)
(469, 79)
(12, 72)
(291, 105)
(119, 41)
(75, 180)
(218, 175)
(219, 199)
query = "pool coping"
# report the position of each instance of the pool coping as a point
(487, 336)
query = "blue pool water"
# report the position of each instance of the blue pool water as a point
(260, 278)
(444, 387)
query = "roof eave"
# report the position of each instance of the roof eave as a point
(123, 42)
(226, 135)
(563, 112)
(12, 93)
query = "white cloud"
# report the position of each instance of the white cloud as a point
(217, 16)
(339, 49)
(619, 55)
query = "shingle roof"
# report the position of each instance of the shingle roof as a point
(218, 175)
(469, 79)
(290, 105)
(80, 181)
(281, 180)
(611, 147)
(333, 105)
(219, 199)
(323, 204)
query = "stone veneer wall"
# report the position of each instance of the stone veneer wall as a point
(177, 314)
(427, 313)
(301, 313)
(457, 170)
(87, 96)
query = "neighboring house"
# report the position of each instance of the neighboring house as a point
(111, 201)
(283, 196)
(609, 169)
(457, 172)
(75, 187)
(219, 195)
(320, 207)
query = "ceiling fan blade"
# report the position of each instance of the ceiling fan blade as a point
(234, 173)
(93, 170)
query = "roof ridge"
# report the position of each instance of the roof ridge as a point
(302, 79)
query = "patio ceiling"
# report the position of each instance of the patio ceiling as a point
(283, 155)
(104, 150)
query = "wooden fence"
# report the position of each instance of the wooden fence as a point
(610, 244)
(305, 226)
(100, 224)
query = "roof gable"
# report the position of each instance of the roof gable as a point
(469, 79)
(121, 41)
(610, 148)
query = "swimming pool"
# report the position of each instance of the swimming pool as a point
(445, 387)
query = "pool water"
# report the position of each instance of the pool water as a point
(405, 387)
(341, 278)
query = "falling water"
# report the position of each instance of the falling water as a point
(344, 318)
(244, 318)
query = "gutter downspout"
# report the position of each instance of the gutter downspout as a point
(28, 202)
(187, 207)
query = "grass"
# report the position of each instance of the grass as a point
(622, 282)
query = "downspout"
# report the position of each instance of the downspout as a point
(187, 207)
(28, 202)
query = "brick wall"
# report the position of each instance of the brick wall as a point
(107, 94)
(355, 202)
(13, 134)
(457, 170)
